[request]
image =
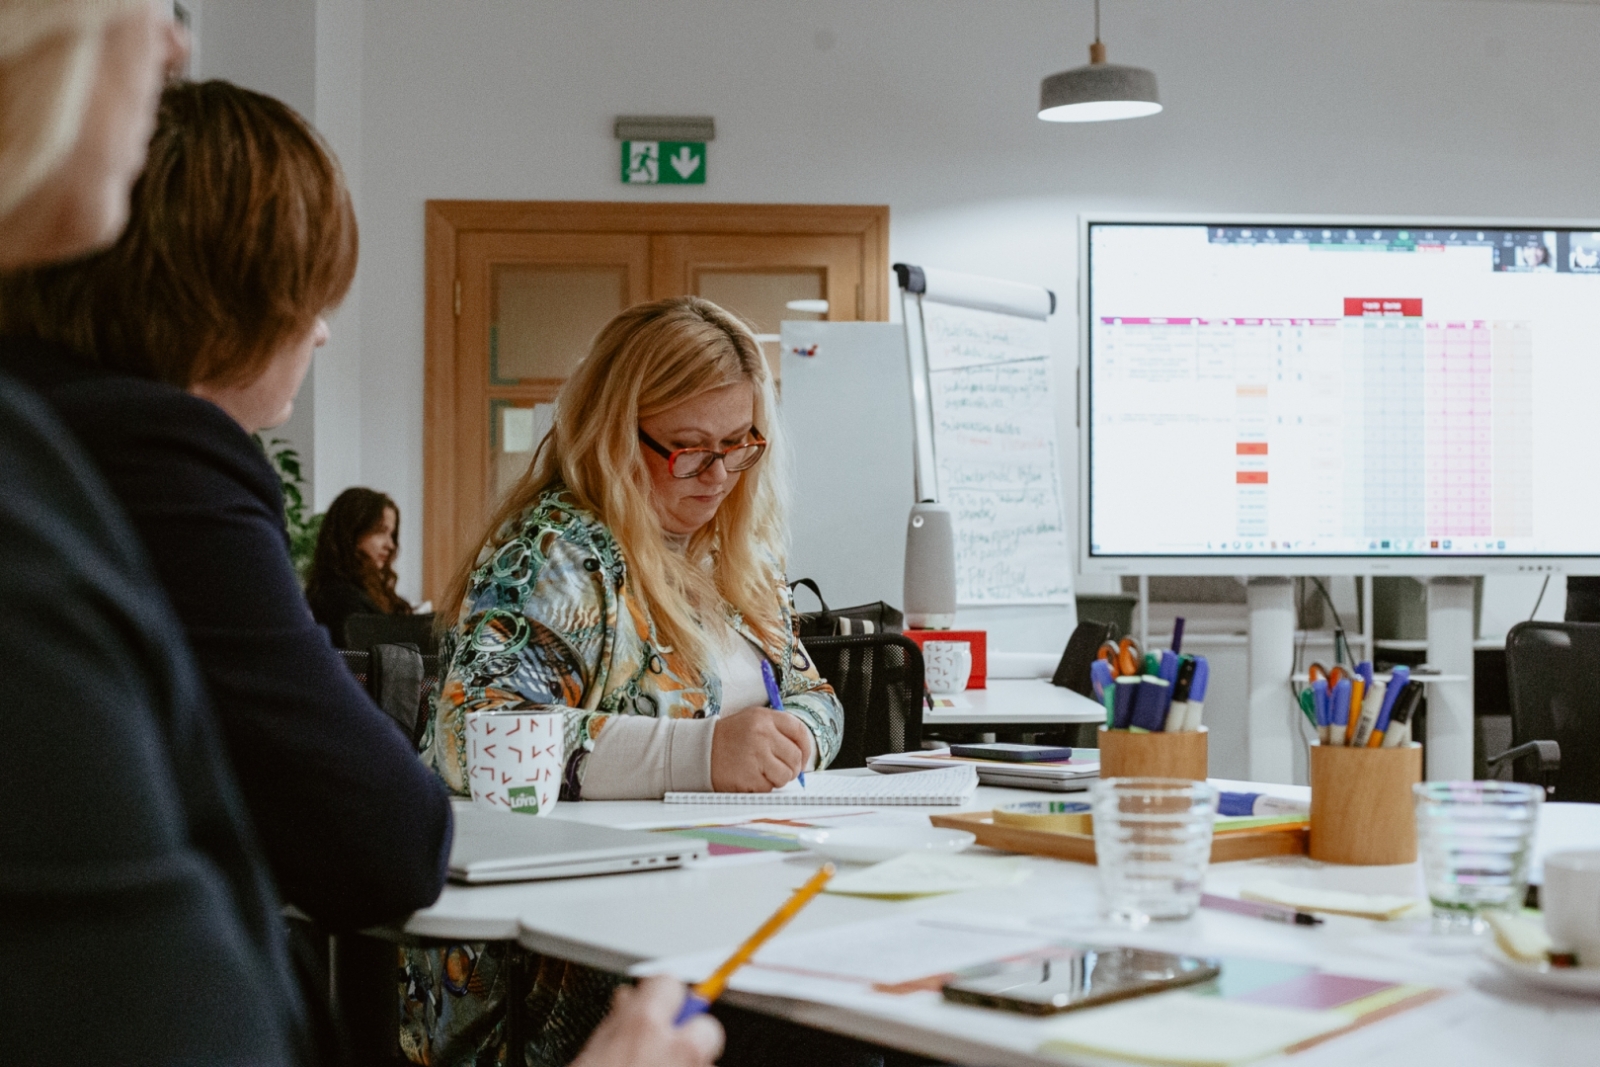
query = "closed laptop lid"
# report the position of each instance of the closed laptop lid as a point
(494, 846)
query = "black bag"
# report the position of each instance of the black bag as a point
(875, 618)
(1082, 648)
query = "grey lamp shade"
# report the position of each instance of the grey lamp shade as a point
(1098, 92)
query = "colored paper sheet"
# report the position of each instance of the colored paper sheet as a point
(929, 874)
(1189, 1030)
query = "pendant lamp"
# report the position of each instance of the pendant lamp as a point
(1099, 92)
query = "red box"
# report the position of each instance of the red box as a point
(978, 639)
(1382, 307)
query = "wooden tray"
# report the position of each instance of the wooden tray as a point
(1226, 845)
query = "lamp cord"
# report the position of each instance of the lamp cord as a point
(1096, 21)
(1536, 603)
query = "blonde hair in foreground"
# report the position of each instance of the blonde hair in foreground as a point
(48, 52)
(650, 358)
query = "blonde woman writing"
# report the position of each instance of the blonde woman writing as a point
(633, 579)
(633, 576)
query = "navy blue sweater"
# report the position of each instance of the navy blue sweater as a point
(137, 923)
(355, 828)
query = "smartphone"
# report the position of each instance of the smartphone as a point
(1013, 753)
(1080, 978)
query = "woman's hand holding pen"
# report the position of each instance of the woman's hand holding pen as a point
(758, 750)
(639, 1032)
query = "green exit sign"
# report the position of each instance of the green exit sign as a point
(664, 162)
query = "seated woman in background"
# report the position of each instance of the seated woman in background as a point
(352, 569)
(162, 355)
(633, 578)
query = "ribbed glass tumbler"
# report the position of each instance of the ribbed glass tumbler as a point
(1152, 840)
(1475, 840)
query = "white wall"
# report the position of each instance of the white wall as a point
(1449, 107)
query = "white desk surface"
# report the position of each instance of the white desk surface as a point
(1016, 701)
(617, 922)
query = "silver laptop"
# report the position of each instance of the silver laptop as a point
(492, 846)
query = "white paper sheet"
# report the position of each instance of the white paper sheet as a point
(841, 963)
(926, 874)
(944, 787)
(995, 444)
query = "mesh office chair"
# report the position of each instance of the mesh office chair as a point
(1554, 673)
(400, 680)
(878, 678)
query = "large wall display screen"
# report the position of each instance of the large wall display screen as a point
(1334, 390)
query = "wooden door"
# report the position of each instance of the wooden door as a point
(517, 290)
(758, 277)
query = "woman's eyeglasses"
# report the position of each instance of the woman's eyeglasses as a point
(693, 462)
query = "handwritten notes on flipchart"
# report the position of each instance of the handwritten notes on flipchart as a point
(994, 429)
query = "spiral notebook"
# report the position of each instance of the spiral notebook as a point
(944, 787)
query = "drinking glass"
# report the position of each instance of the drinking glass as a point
(1475, 840)
(1152, 840)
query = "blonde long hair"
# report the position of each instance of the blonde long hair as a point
(650, 358)
(49, 55)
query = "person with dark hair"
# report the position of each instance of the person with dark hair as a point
(165, 353)
(352, 569)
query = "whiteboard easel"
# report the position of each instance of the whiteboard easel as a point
(985, 435)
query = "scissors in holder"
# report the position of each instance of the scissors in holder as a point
(1124, 657)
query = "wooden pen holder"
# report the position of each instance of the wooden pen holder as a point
(1361, 805)
(1124, 754)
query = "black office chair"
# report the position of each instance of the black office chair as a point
(1553, 669)
(360, 981)
(878, 678)
(366, 630)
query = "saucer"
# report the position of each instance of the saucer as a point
(1576, 981)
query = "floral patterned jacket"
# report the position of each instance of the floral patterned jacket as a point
(549, 620)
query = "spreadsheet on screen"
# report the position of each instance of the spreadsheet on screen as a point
(1341, 390)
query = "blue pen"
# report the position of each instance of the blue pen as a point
(775, 699)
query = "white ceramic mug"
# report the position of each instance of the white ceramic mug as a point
(1570, 900)
(947, 665)
(515, 759)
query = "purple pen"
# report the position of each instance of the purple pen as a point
(1177, 634)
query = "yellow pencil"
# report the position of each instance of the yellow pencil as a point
(703, 993)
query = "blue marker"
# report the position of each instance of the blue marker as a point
(1100, 677)
(1340, 724)
(1122, 709)
(1197, 693)
(1397, 681)
(1319, 697)
(1150, 704)
(1364, 668)
(775, 699)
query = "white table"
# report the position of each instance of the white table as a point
(1017, 704)
(617, 922)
